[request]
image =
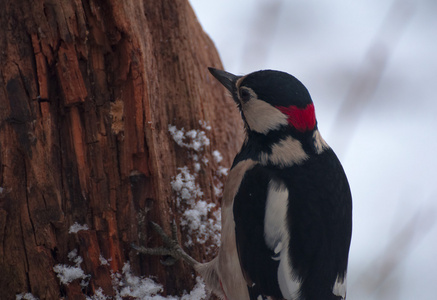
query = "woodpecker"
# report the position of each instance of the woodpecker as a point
(287, 205)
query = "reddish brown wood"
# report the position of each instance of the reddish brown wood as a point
(87, 90)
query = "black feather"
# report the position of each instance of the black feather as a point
(256, 259)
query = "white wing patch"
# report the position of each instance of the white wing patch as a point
(276, 214)
(339, 288)
(277, 238)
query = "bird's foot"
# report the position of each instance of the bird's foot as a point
(171, 249)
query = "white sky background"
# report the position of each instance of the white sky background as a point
(380, 58)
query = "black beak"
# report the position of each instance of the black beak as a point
(227, 79)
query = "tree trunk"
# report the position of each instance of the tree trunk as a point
(88, 93)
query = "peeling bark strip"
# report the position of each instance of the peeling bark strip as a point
(70, 77)
(87, 92)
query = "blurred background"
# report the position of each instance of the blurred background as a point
(371, 68)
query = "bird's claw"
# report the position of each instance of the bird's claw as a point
(171, 249)
(172, 243)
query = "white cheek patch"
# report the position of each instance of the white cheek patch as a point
(277, 238)
(263, 117)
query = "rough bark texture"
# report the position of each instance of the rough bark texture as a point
(87, 92)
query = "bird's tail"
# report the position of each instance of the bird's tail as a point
(209, 273)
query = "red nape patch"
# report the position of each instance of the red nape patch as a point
(302, 119)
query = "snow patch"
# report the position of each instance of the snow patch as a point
(25, 296)
(198, 292)
(67, 273)
(198, 215)
(218, 189)
(195, 217)
(217, 156)
(73, 257)
(104, 261)
(194, 139)
(125, 284)
(98, 295)
(76, 227)
(184, 184)
(222, 171)
(205, 125)
(129, 285)
(197, 221)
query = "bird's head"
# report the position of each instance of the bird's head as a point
(270, 100)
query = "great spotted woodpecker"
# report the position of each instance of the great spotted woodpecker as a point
(287, 207)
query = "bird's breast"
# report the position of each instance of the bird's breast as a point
(229, 270)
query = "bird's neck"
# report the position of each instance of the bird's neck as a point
(282, 148)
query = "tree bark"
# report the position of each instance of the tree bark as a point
(88, 91)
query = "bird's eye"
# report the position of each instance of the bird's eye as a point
(244, 95)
